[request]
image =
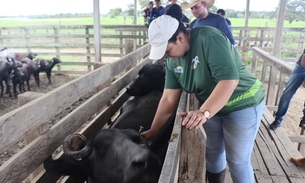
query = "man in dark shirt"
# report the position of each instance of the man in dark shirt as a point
(147, 12)
(155, 12)
(184, 19)
(222, 13)
(199, 9)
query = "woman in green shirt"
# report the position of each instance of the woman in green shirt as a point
(204, 62)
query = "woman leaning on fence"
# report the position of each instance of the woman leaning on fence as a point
(203, 61)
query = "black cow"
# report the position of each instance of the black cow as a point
(20, 75)
(111, 156)
(7, 63)
(138, 113)
(135, 114)
(151, 77)
(46, 66)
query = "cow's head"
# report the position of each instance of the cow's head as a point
(56, 60)
(111, 156)
(151, 77)
(31, 55)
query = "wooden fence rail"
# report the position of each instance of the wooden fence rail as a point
(75, 43)
(274, 74)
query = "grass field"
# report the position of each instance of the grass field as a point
(120, 20)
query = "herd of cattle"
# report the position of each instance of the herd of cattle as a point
(17, 68)
(119, 154)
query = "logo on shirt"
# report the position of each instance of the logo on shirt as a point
(195, 61)
(179, 70)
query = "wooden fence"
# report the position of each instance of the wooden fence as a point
(74, 44)
(292, 42)
(274, 72)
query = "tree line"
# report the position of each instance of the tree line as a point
(295, 11)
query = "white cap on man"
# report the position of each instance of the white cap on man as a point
(160, 31)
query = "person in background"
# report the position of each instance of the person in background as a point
(298, 161)
(184, 19)
(147, 12)
(199, 9)
(222, 13)
(295, 80)
(203, 61)
(155, 11)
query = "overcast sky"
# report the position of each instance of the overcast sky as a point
(36, 7)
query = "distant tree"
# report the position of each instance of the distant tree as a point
(130, 9)
(295, 10)
(213, 9)
(114, 13)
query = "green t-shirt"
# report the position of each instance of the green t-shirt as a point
(210, 59)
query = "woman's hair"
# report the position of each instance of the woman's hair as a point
(175, 11)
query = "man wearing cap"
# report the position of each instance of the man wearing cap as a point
(199, 9)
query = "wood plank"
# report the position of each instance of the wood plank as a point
(267, 155)
(279, 179)
(260, 168)
(171, 161)
(263, 178)
(22, 120)
(283, 146)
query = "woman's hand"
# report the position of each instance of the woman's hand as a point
(193, 119)
(149, 134)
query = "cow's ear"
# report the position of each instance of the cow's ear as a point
(134, 136)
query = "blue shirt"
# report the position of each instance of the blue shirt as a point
(300, 59)
(184, 19)
(216, 21)
(155, 12)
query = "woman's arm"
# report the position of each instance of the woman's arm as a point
(215, 102)
(166, 107)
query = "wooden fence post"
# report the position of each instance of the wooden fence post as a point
(192, 155)
(56, 37)
(27, 39)
(130, 46)
(88, 47)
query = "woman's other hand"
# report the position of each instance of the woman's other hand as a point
(192, 119)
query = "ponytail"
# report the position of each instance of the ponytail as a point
(175, 11)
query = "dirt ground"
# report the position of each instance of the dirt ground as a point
(292, 118)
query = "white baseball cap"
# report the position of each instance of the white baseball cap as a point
(160, 31)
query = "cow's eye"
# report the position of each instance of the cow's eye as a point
(97, 146)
